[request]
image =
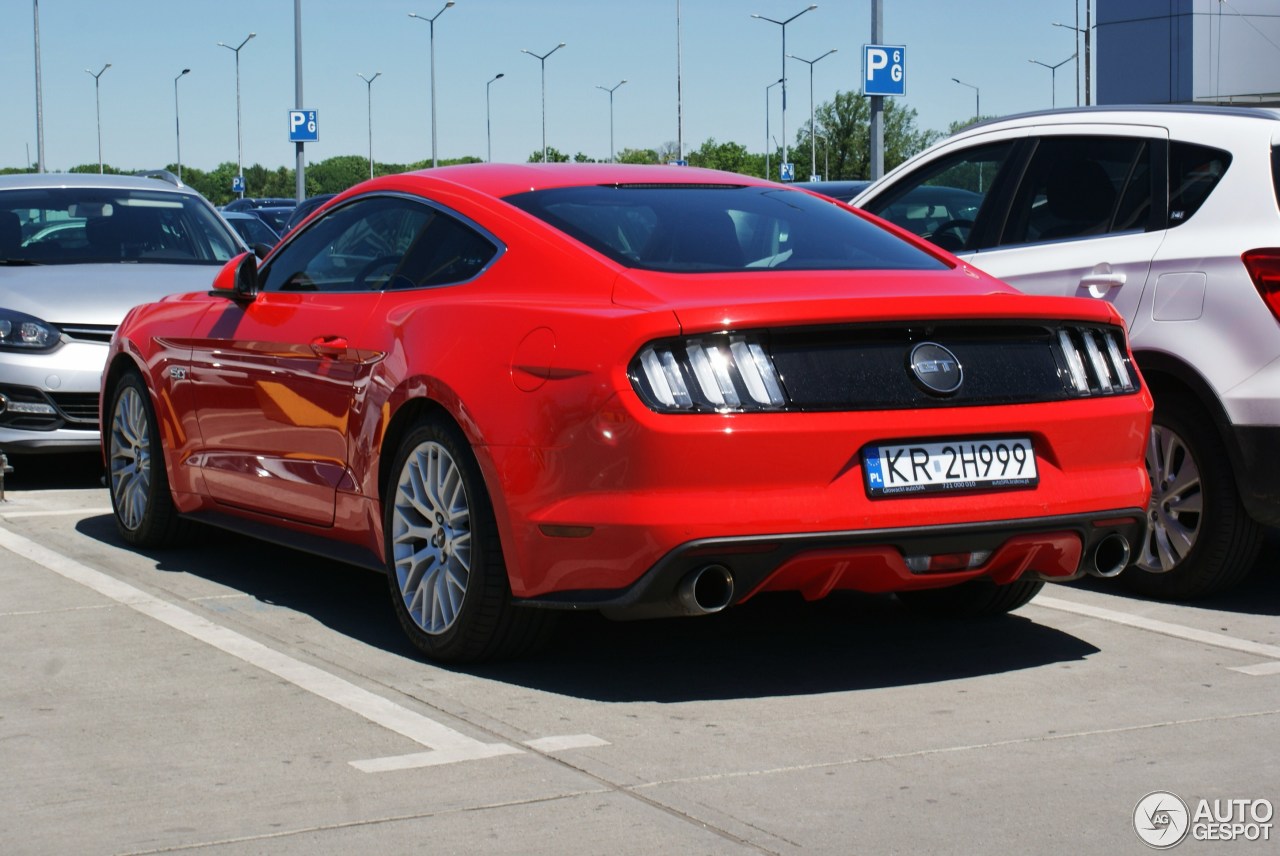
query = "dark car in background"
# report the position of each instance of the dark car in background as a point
(252, 229)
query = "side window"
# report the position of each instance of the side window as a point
(1194, 171)
(444, 251)
(356, 247)
(942, 202)
(1077, 187)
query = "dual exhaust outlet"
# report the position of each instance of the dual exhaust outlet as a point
(710, 588)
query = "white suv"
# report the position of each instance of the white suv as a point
(1170, 214)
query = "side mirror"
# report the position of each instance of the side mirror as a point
(238, 279)
(260, 250)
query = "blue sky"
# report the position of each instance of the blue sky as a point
(728, 60)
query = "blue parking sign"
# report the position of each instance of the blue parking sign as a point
(304, 126)
(787, 172)
(885, 68)
(237, 184)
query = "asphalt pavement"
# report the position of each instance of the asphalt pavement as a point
(232, 697)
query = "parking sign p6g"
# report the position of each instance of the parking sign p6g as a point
(884, 69)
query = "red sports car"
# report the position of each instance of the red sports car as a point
(643, 390)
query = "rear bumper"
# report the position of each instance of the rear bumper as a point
(1054, 549)
(1259, 471)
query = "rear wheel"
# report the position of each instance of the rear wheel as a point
(1200, 539)
(139, 486)
(444, 561)
(974, 599)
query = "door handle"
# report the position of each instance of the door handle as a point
(1100, 283)
(329, 346)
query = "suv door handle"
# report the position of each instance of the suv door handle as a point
(1100, 283)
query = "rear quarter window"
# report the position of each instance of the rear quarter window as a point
(1194, 172)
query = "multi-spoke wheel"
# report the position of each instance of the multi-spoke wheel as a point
(1200, 540)
(444, 561)
(139, 486)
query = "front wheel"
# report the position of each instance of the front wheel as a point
(973, 599)
(1200, 539)
(139, 486)
(445, 566)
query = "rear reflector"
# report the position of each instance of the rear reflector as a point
(1264, 270)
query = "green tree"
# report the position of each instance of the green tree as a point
(554, 155)
(638, 156)
(731, 157)
(844, 137)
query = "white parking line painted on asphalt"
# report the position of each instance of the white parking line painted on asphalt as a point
(1178, 631)
(447, 746)
(1272, 668)
(56, 512)
(568, 741)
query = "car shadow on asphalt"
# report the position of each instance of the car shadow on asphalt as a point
(63, 471)
(773, 645)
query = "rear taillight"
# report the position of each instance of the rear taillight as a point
(1264, 270)
(718, 373)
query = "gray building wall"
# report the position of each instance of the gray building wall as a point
(1185, 51)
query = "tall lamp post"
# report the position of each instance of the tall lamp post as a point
(1085, 31)
(98, 106)
(1053, 77)
(542, 60)
(612, 157)
(177, 122)
(767, 135)
(431, 22)
(977, 98)
(813, 159)
(488, 125)
(783, 25)
(35, 25)
(239, 134)
(368, 85)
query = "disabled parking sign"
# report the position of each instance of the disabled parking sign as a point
(885, 68)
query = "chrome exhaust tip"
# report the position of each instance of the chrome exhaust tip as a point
(706, 590)
(1110, 556)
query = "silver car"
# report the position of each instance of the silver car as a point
(76, 253)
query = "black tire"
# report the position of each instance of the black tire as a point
(136, 477)
(445, 568)
(974, 599)
(1201, 539)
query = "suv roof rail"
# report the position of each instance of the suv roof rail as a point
(162, 174)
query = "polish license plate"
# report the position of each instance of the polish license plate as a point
(949, 465)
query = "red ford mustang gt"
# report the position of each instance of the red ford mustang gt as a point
(642, 390)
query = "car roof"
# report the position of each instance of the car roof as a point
(1137, 113)
(500, 180)
(37, 180)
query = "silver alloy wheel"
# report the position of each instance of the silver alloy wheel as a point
(130, 458)
(1177, 505)
(431, 537)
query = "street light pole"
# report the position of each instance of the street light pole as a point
(783, 25)
(977, 98)
(488, 125)
(1088, 50)
(239, 133)
(368, 85)
(612, 157)
(542, 60)
(1053, 77)
(35, 17)
(98, 105)
(813, 159)
(431, 22)
(177, 122)
(767, 135)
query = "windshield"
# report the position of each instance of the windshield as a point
(713, 228)
(73, 225)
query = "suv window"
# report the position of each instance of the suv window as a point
(942, 203)
(1078, 187)
(1194, 171)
